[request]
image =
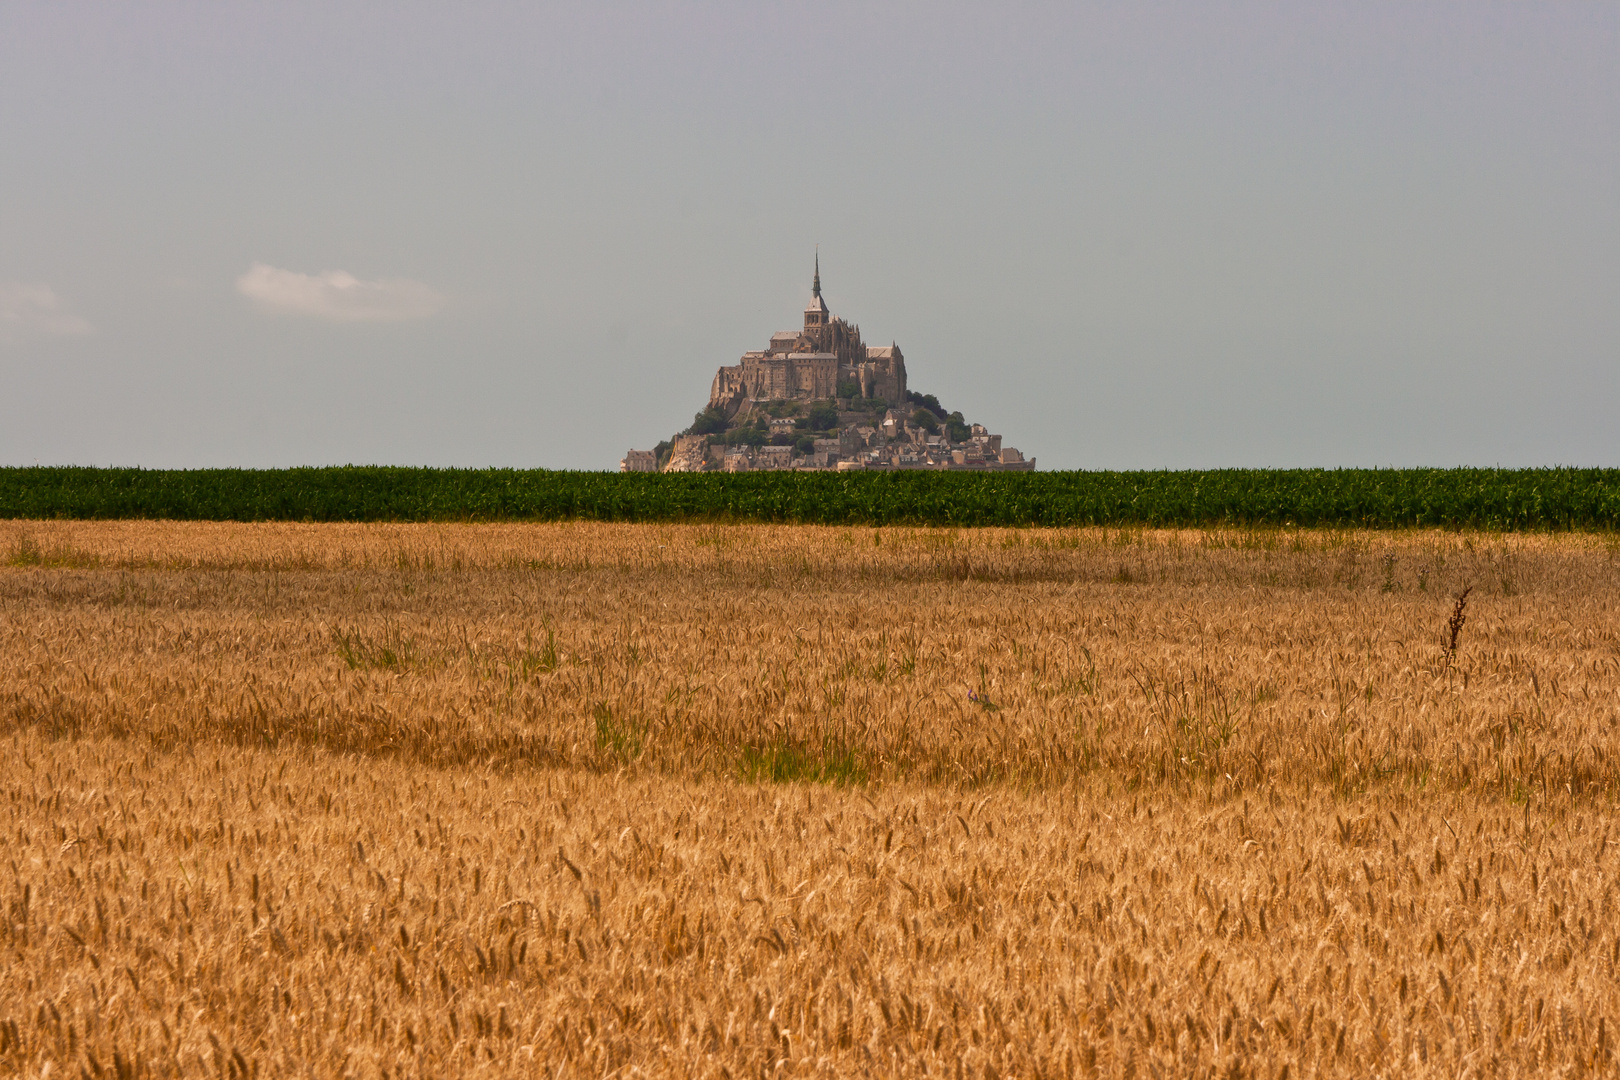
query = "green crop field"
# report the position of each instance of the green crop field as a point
(1504, 499)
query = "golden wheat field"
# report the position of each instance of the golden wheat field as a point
(616, 800)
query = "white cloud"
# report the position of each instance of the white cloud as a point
(28, 309)
(337, 296)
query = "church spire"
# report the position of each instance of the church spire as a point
(815, 312)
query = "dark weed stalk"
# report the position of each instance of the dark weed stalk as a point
(1459, 615)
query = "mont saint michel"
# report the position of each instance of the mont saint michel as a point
(819, 398)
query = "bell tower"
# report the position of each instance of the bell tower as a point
(816, 316)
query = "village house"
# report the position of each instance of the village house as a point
(639, 461)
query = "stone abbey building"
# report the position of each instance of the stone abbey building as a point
(811, 364)
(820, 398)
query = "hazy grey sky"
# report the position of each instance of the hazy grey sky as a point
(1124, 235)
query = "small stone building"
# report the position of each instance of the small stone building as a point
(639, 461)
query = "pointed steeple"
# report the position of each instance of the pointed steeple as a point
(816, 313)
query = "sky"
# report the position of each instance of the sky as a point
(1125, 236)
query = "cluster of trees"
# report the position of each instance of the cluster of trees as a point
(711, 421)
(820, 419)
(926, 401)
(756, 435)
(750, 434)
(850, 391)
(930, 414)
(823, 417)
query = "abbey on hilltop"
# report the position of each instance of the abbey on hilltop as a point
(821, 398)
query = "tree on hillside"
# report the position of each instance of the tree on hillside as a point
(711, 421)
(823, 416)
(927, 401)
